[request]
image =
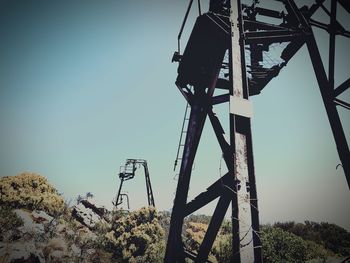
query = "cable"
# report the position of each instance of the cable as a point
(247, 232)
(246, 244)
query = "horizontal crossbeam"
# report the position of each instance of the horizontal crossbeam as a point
(339, 31)
(342, 87)
(272, 36)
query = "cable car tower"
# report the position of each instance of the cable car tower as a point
(128, 172)
(227, 51)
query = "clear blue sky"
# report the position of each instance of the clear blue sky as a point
(86, 84)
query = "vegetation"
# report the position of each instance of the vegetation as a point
(140, 236)
(31, 191)
(331, 236)
(8, 220)
(205, 219)
(137, 237)
(279, 245)
(282, 246)
(222, 247)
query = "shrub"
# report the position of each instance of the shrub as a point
(281, 246)
(8, 220)
(317, 252)
(137, 237)
(331, 236)
(195, 234)
(221, 250)
(31, 191)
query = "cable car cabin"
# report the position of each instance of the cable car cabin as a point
(204, 51)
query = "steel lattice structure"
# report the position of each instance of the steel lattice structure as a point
(127, 172)
(237, 28)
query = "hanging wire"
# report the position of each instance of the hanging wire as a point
(247, 232)
(257, 233)
(247, 244)
(338, 165)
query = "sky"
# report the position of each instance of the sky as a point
(84, 85)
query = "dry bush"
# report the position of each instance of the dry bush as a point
(137, 237)
(31, 191)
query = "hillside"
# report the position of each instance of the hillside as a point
(36, 225)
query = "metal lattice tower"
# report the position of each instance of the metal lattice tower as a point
(229, 49)
(128, 172)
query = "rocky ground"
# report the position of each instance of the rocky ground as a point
(36, 225)
(40, 237)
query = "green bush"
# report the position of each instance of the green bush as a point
(278, 245)
(331, 236)
(281, 246)
(31, 191)
(317, 252)
(222, 248)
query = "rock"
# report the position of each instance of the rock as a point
(40, 217)
(92, 204)
(29, 225)
(44, 238)
(88, 214)
(35, 222)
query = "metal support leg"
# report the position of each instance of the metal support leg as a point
(245, 222)
(246, 130)
(119, 192)
(174, 250)
(150, 197)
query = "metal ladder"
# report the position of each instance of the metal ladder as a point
(182, 137)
